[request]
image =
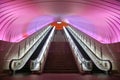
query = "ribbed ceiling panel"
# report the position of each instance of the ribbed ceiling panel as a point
(98, 18)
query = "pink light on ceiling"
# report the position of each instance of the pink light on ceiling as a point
(25, 30)
(98, 18)
(19, 20)
(96, 28)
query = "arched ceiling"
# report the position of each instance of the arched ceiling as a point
(98, 18)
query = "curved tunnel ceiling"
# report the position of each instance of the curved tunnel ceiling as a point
(98, 18)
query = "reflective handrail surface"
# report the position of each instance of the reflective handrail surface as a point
(104, 65)
(17, 64)
(81, 60)
(36, 65)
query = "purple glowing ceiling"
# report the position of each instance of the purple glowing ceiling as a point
(98, 18)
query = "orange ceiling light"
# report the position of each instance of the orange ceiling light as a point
(59, 25)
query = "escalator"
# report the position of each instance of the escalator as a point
(26, 68)
(95, 69)
(79, 47)
(60, 58)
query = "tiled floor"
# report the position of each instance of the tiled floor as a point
(60, 76)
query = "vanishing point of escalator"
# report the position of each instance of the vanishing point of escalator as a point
(26, 68)
(60, 58)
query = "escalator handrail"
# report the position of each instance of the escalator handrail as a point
(72, 42)
(13, 61)
(47, 41)
(74, 38)
(110, 64)
(40, 57)
(79, 56)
